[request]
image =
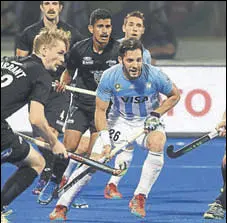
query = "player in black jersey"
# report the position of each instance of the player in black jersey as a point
(51, 11)
(26, 80)
(57, 105)
(90, 57)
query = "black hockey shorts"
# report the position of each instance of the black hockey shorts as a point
(13, 148)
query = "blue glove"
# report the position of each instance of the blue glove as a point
(152, 121)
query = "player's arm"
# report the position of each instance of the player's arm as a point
(38, 121)
(172, 99)
(72, 61)
(101, 125)
(100, 114)
(153, 119)
(65, 79)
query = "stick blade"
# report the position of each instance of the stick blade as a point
(170, 152)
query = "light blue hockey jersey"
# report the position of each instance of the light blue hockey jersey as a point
(133, 98)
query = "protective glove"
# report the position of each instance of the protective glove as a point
(152, 121)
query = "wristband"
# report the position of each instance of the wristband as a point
(155, 114)
(105, 137)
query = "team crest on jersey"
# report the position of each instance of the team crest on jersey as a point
(87, 61)
(97, 75)
(117, 87)
(111, 62)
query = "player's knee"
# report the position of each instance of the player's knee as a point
(71, 140)
(83, 147)
(70, 145)
(156, 141)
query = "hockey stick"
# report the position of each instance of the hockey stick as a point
(191, 146)
(92, 170)
(79, 158)
(76, 89)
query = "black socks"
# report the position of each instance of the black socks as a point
(17, 184)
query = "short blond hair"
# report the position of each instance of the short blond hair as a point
(49, 36)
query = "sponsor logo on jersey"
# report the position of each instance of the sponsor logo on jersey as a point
(111, 62)
(135, 100)
(87, 61)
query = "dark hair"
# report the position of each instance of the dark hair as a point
(60, 2)
(129, 44)
(137, 14)
(99, 14)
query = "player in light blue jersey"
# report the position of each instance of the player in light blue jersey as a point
(134, 89)
(133, 27)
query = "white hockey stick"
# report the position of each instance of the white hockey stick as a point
(76, 89)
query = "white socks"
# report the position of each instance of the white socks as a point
(125, 156)
(151, 169)
(67, 198)
(70, 168)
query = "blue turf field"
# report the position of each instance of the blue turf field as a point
(181, 195)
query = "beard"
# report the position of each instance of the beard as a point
(127, 73)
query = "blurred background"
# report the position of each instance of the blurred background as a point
(197, 29)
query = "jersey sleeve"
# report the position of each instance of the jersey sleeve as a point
(104, 91)
(146, 57)
(164, 84)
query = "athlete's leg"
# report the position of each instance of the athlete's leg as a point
(122, 129)
(67, 198)
(49, 160)
(28, 170)
(151, 169)
(217, 209)
(76, 126)
(84, 121)
(71, 141)
(111, 190)
(82, 149)
(55, 112)
(32, 163)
